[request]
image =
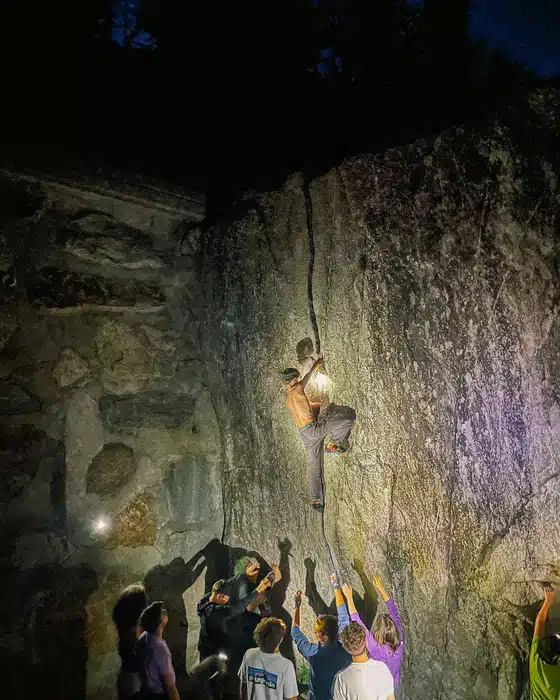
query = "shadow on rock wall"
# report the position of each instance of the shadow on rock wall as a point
(170, 581)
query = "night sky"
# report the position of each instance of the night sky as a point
(528, 30)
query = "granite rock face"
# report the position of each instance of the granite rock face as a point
(144, 435)
(436, 289)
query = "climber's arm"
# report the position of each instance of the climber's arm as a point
(304, 382)
(246, 603)
(342, 612)
(540, 622)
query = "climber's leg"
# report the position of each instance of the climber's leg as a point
(313, 437)
(339, 422)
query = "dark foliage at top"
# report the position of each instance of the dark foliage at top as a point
(225, 95)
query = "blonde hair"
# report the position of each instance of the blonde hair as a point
(386, 632)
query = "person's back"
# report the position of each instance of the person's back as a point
(128, 608)
(264, 673)
(326, 657)
(369, 680)
(365, 678)
(324, 665)
(153, 655)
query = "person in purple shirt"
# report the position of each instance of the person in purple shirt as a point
(157, 675)
(387, 641)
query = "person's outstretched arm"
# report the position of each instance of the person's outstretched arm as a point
(304, 646)
(305, 381)
(341, 611)
(371, 642)
(232, 609)
(391, 607)
(540, 622)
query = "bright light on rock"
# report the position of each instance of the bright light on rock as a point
(321, 380)
(100, 526)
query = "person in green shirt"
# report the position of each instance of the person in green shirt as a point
(544, 657)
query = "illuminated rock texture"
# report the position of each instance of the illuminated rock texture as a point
(437, 293)
(139, 359)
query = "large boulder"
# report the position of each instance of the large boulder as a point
(435, 286)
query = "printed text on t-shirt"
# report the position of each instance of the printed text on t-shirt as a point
(259, 675)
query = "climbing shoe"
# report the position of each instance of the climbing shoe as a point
(319, 507)
(334, 449)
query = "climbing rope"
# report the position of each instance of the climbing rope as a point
(314, 325)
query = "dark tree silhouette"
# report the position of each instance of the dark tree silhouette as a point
(237, 95)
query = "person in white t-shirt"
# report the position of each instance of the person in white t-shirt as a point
(364, 679)
(264, 673)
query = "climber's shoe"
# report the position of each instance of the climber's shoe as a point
(334, 448)
(319, 507)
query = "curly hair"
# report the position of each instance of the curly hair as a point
(353, 638)
(328, 625)
(269, 633)
(386, 632)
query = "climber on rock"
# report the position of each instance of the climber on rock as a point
(334, 424)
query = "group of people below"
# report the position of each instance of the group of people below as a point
(346, 660)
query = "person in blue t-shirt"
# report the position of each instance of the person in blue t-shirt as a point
(326, 657)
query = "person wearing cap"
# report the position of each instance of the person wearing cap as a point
(247, 576)
(220, 613)
(157, 676)
(326, 656)
(221, 627)
(544, 657)
(333, 425)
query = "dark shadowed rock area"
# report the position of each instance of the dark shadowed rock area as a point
(139, 360)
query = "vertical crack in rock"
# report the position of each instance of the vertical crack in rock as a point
(311, 242)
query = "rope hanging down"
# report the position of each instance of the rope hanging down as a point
(313, 319)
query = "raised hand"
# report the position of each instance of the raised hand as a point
(549, 593)
(334, 581)
(380, 588)
(277, 575)
(347, 590)
(297, 599)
